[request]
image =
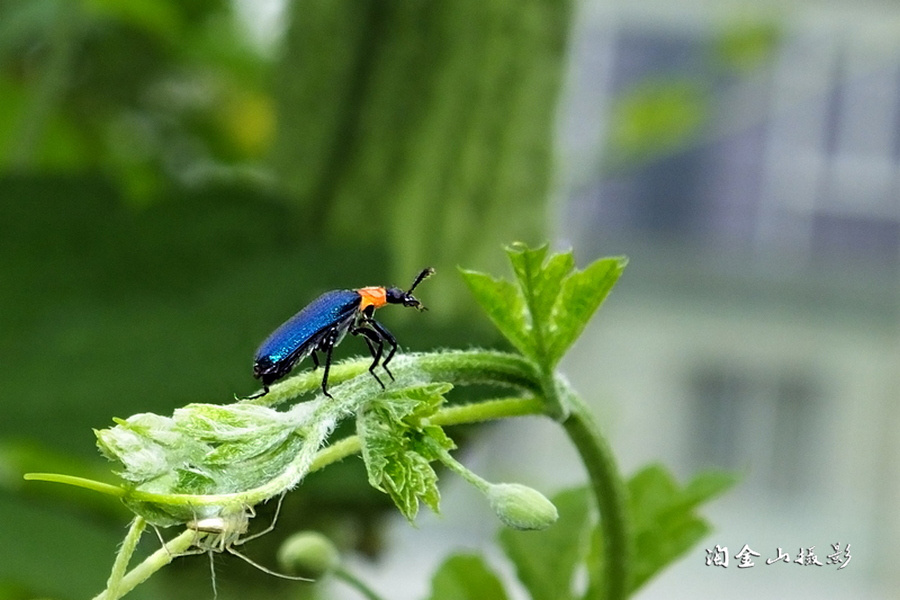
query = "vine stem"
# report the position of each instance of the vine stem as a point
(356, 583)
(609, 490)
(153, 563)
(475, 412)
(123, 556)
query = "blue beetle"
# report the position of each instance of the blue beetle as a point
(321, 326)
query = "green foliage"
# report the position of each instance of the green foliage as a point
(550, 303)
(547, 307)
(664, 525)
(664, 519)
(398, 119)
(748, 44)
(217, 461)
(115, 87)
(209, 449)
(410, 108)
(466, 577)
(398, 445)
(658, 116)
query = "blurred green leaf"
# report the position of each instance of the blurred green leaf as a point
(664, 520)
(656, 117)
(466, 577)
(159, 16)
(747, 45)
(546, 560)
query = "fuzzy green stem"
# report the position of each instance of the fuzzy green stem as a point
(123, 557)
(554, 407)
(467, 367)
(458, 468)
(609, 491)
(489, 410)
(475, 412)
(460, 367)
(336, 452)
(151, 565)
(356, 583)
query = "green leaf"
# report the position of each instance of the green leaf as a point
(581, 295)
(505, 307)
(540, 283)
(398, 445)
(546, 560)
(466, 577)
(664, 521)
(545, 311)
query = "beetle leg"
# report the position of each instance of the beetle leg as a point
(260, 394)
(385, 336)
(327, 344)
(372, 348)
(315, 359)
(376, 347)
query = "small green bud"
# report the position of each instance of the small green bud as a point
(309, 554)
(520, 506)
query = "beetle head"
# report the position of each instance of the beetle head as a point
(398, 296)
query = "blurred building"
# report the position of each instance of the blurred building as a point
(756, 327)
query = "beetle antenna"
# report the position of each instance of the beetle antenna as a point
(425, 273)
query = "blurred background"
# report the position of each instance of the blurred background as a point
(177, 178)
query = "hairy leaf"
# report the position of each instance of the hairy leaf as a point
(398, 445)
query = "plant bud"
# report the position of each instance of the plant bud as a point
(521, 507)
(309, 554)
